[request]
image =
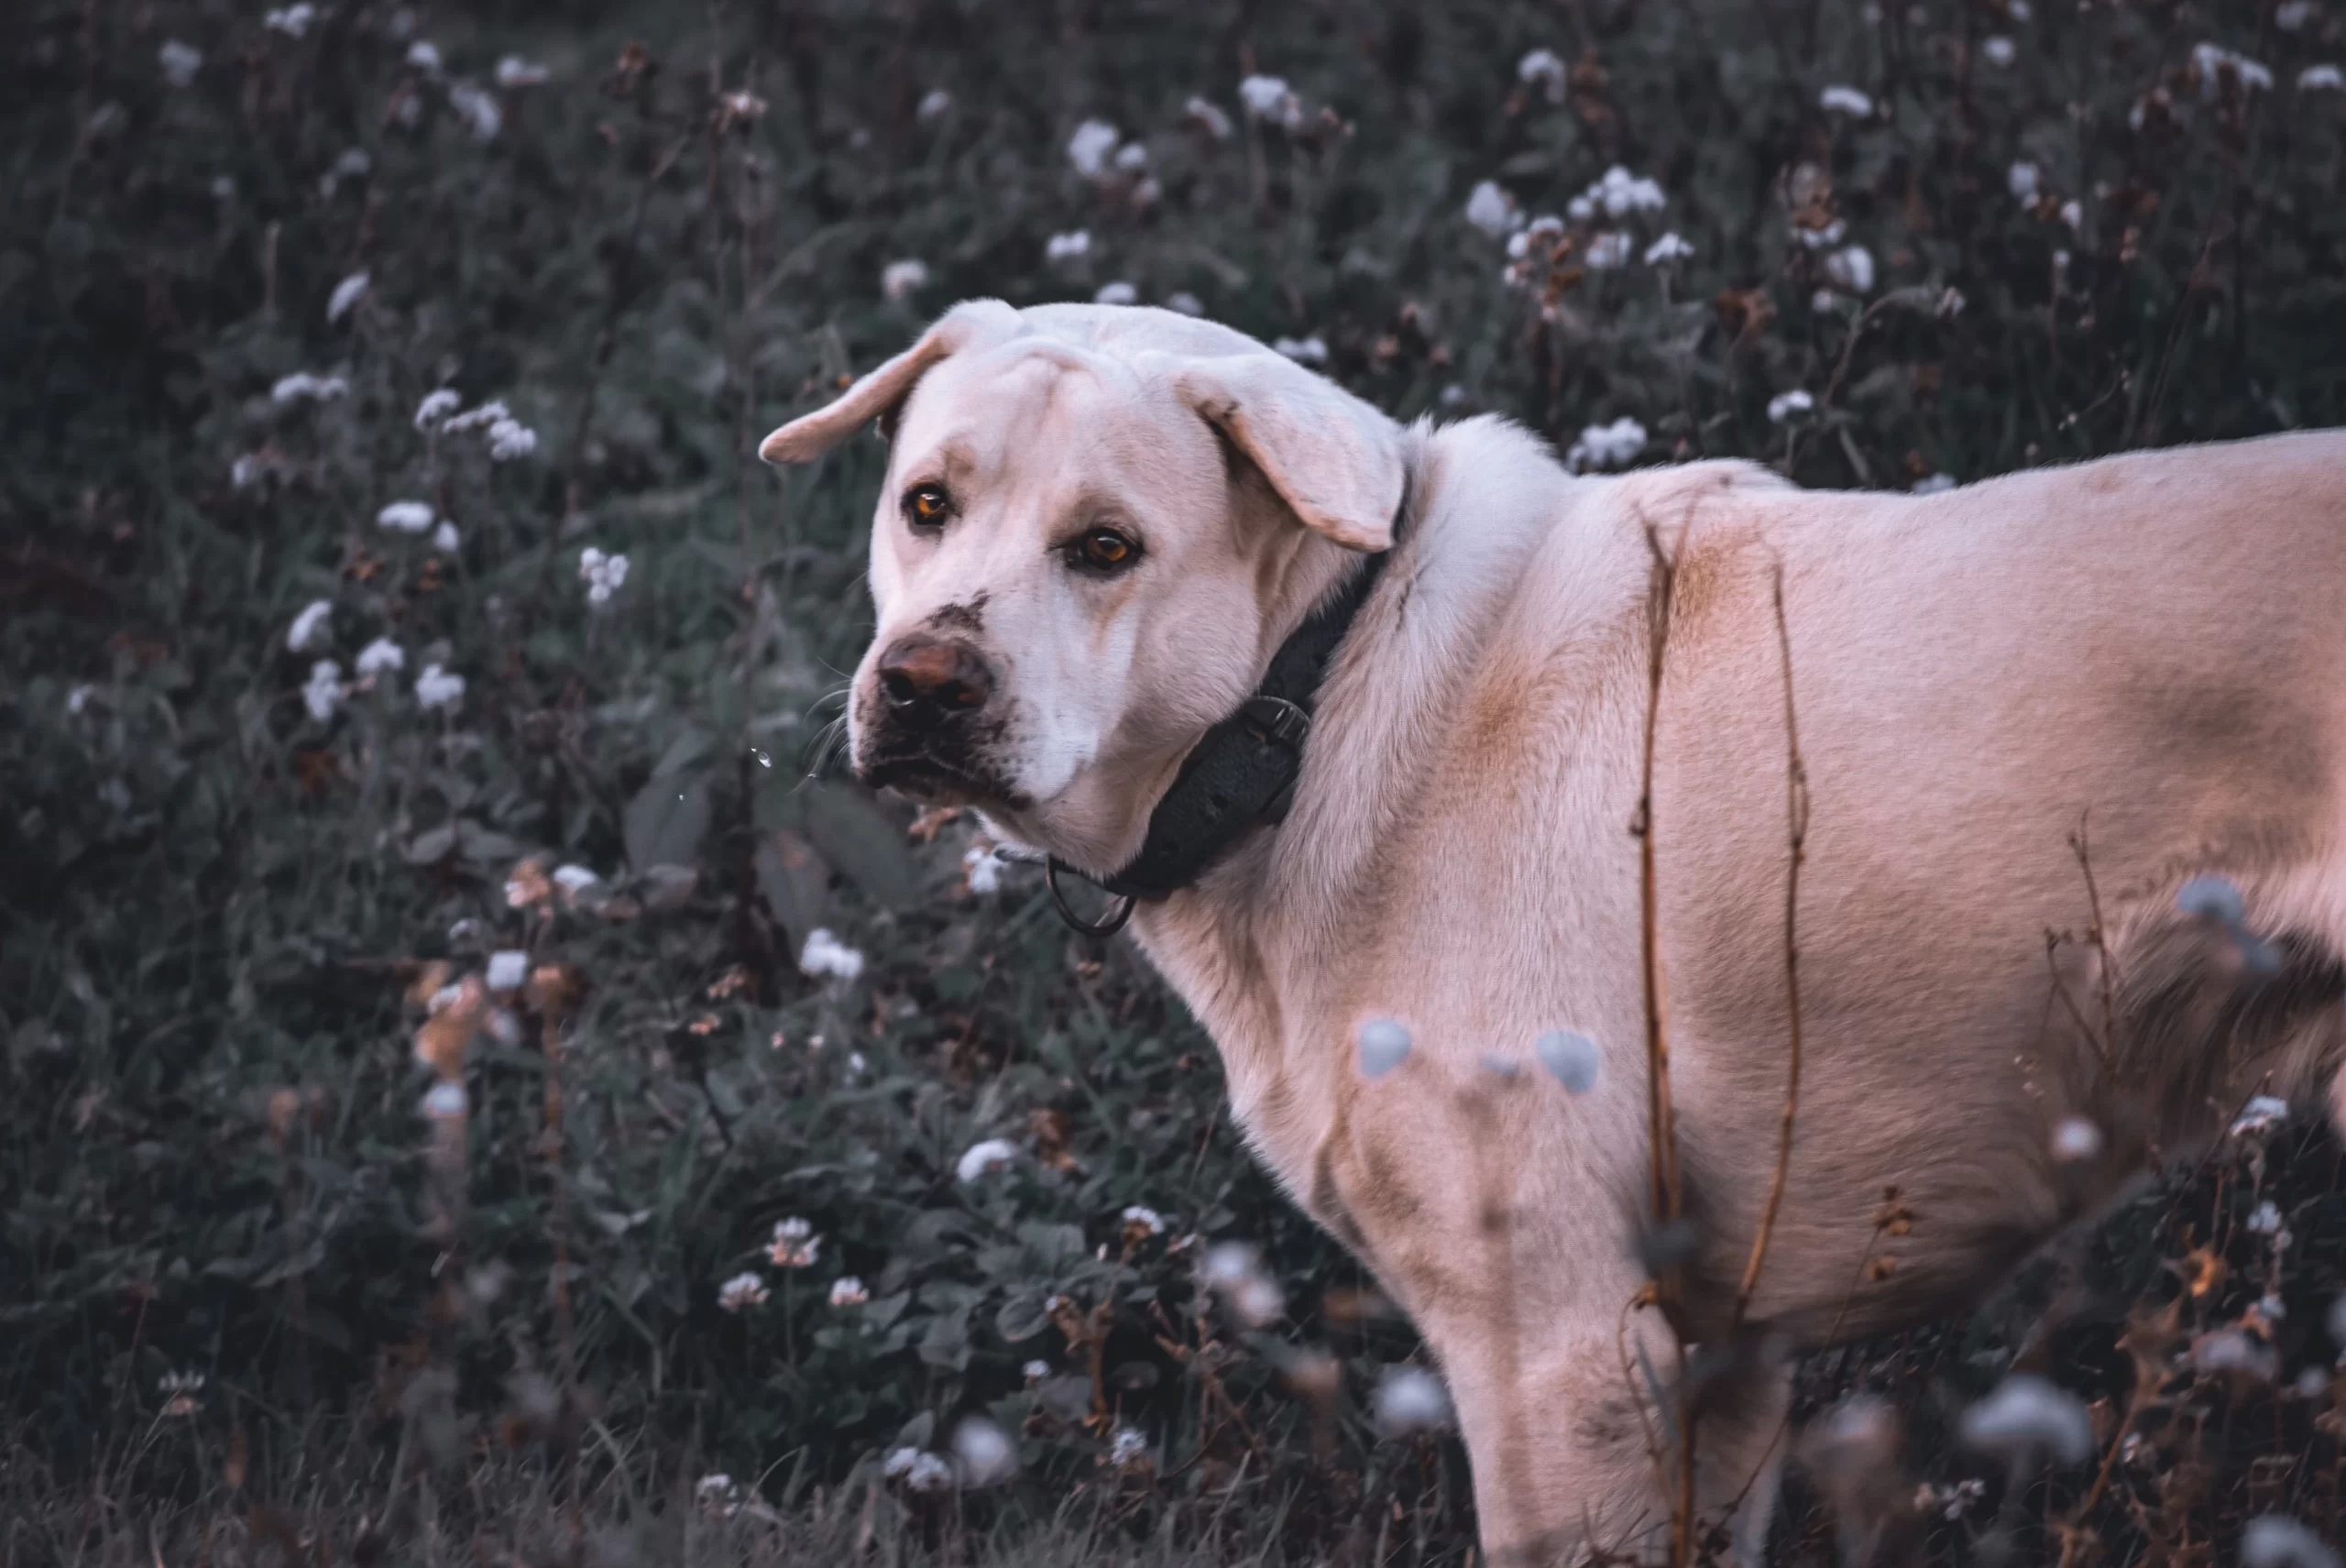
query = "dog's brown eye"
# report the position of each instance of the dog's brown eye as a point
(926, 506)
(1103, 550)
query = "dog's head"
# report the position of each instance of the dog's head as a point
(1098, 522)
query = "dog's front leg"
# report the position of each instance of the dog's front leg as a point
(1572, 1433)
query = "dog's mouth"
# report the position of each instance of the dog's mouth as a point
(938, 781)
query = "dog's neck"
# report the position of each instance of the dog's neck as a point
(1253, 943)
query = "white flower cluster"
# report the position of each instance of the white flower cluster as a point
(436, 687)
(2024, 1415)
(513, 72)
(180, 62)
(919, 1470)
(1410, 1400)
(301, 385)
(1068, 246)
(507, 437)
(324, 691)
(1606, 445)
(1310, 350)
(1120, 291)
(2209, 61)
(935, 104)
(900, 280)
(316, 619)
(605, 575)
(986, 1453)
(1207, 116)
(1233, 1271)
(1271, 101)
(1846, 100)
(406, 516)
(981, 863)
(982, 1158)
(347, 294)
(795, 1243)
(293, 21)
(2322, 79)
(1543, 70)
(381, 657)
(1784, 405)
(846, 1290)
(1617, 194)
(824, 955)
(1147, 1221)
(1099, 153)
(741, 1292)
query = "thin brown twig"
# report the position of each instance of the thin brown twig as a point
(2099, 935)
(1796, 836)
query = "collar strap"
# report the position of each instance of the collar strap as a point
(1243, 771)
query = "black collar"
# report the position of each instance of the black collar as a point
(1243, 771)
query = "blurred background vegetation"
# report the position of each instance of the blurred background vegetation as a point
(410, 1014)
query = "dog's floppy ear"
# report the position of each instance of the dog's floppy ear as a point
(1333, 458)
(882, 391)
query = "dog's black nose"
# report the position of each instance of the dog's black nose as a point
(929, 682)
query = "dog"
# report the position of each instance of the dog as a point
(2069, 747)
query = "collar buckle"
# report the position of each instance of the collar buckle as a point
(1277, 720)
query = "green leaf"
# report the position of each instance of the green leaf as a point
(794, 881)
(1022, 1317)
(664, 822)
(856, 836)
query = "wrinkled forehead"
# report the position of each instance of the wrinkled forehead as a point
(1032, 414)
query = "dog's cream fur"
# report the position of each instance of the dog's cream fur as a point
(2148, 649)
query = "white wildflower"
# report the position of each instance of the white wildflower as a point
(2275, 1541)
(478, 108)
(1035, 1371)
(575, 880)
(1068, 245)
(1934, 484)
(1784, 405)
(1609, 250)
(1128, 1449)
(1184, 301)
(2076, 1139)
(795, 1243)
(603, 575)
(508, 968)
(514, 71)
(436, 687)
(180, 62)
(978, 1158)
(77, 701)
(2261, 1115)
(436, 406)
(715, 1492)
(509, 439)
(346, 293)
(986, 1454)
(447, 1102)
(1089, 146)
(2000, 50)
(2265, 1219)
(846, 1290)
(1118, 293)
(1619, 193)
(1846, 100)
(982, 863)
(1820, 239)
(489, 413)
(1852, 269)
(1824, 301)
(1207, 116)
(935, 104)
(244, 472)
(1492, 210)
(825, 954)
(406, 516)
(1606, 445)
(1384, 1045)
(1410, 1400)
(1950, 304)
(1668, 247)
(1233, 1271)
(2073, 213)
(743, 1291)
(323, 693)
(2023, 181)
(1542, 69)
(445, 539)
(2291, 16)
(918, 1470)
(856, 1065)
(2320, 79)
(1302, 350)
(316, 618)
(293, 21)
(2025, 1415)
(424, 55)
(302, 384)
(2209, 61)
(1581, 208)
(1267, 98)
(380, 655)
(900, 279)
(1144, 1218)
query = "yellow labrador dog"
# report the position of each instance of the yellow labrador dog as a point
(2075, 884)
